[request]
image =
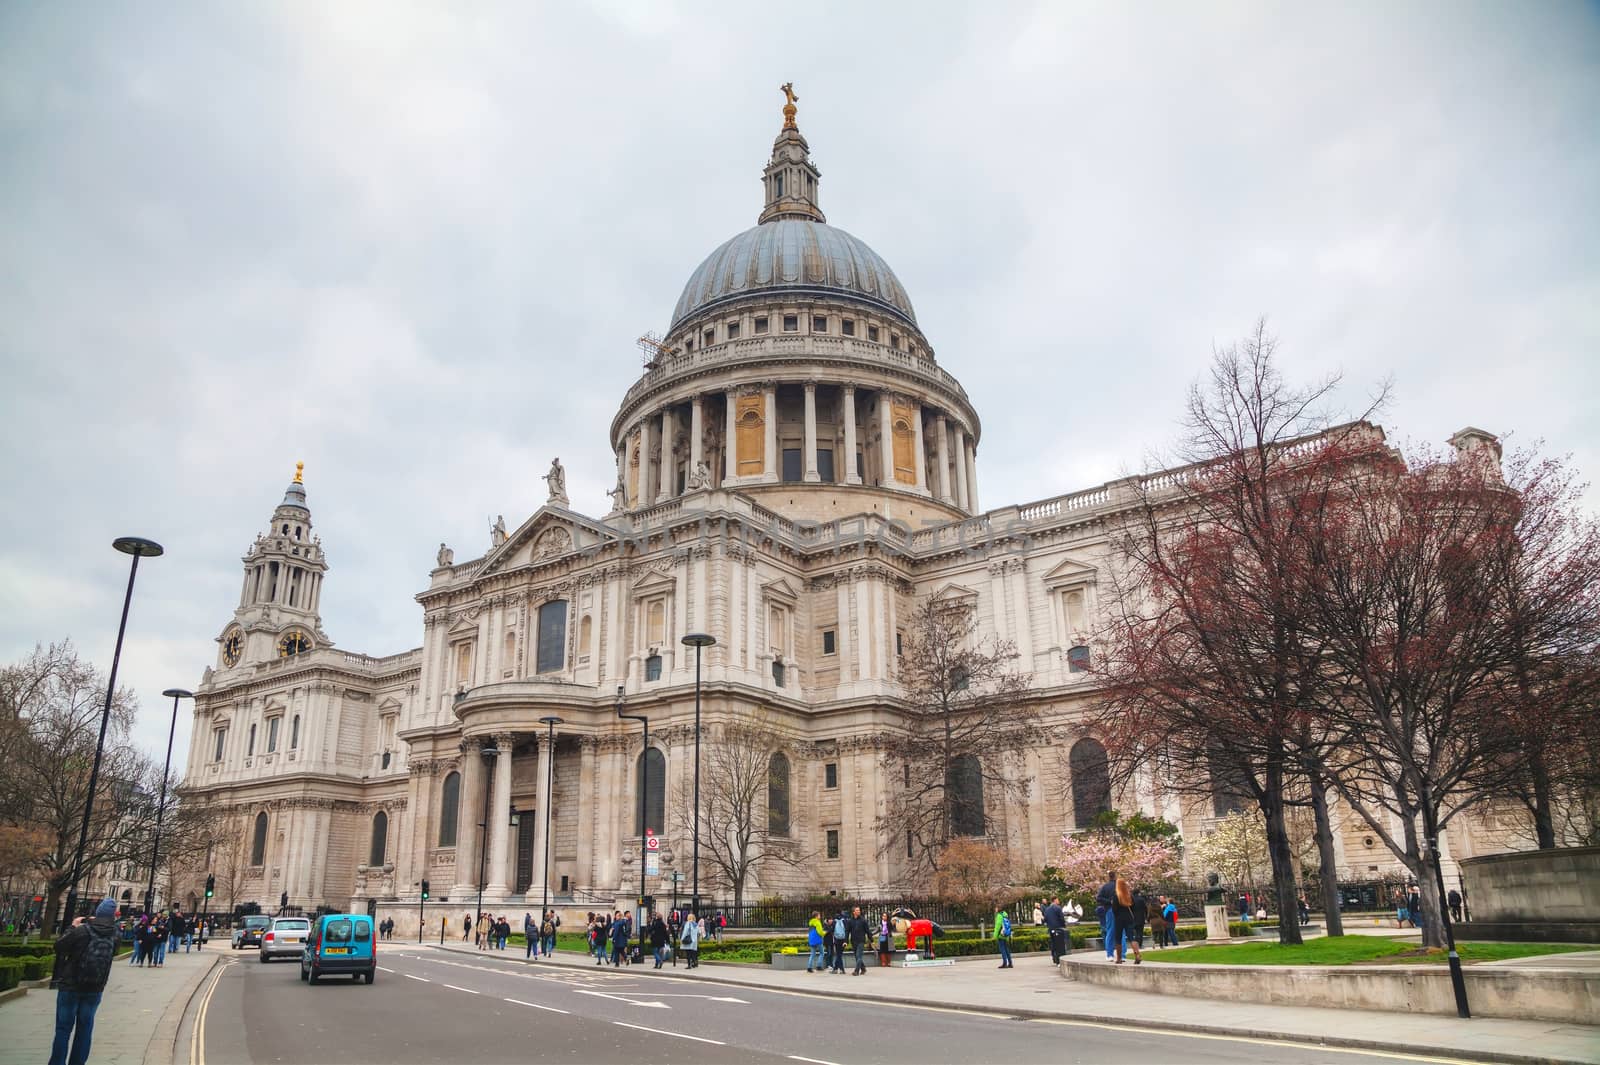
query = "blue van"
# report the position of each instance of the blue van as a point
(340, 943)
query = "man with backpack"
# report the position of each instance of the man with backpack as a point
(841, 931)
(1002, 937)
(83, 966)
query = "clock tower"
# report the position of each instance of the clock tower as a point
(277, 615)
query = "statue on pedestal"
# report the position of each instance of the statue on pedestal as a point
(699, 477)
(497, 532)
(557, 480)
(446, 557)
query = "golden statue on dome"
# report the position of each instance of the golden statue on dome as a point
(787, 88)
(299, 472)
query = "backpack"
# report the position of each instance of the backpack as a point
(93, 966)
(838, 928)
(1005, 926)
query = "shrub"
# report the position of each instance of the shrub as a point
(37, 968)
(10, 973)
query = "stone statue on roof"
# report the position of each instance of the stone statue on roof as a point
(557, 480)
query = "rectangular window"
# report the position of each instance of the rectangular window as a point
(250, 746)
(819, 324)
(552, 636)
(899, 644)
(848, 327)
(830, 775)
(1077, 659)
(272, 734)
(761, 324)
(825, 465)
(828, 642)
(688, 343)
(710, 336)
(652, 668)
(733, 330)
(221, 735)
(463, 663)
(791, 323)
(656, 622)
(833, 843)
(894, 341)
(872, 333)
(791, 464)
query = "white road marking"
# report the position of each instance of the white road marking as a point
(535, 1005)
(619, 998)
(814, 1061)
(1177, 1034)
(677, 1035)
(468, 990)
(381, 969)
(424, 979)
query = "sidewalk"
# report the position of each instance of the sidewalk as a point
(1035, 989)
(137, 1020)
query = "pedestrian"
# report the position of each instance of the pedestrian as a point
(857, 930)
(657, 930)
(1038, 913)
(722, 924)
(819, 940)
(530, 936)
(1414, 907)
(885, 940)
(1002, 937)
(466, 927)
(619, 939)
(1401, 913)
(840, 933)
(1140, 909)
(547, 931)
(691, 942)
(1105, 902)
(1055, 923)
(1454, 899)
(159, 945)
(1169, 915)
(82, 969)
(1122, 921)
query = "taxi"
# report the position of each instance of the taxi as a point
(340, 943)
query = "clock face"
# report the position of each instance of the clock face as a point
(232, 647)
(294, 642)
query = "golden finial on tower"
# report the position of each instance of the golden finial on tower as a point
(787, 88)
(299, 472)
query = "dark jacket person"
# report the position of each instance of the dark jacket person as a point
(83, 965)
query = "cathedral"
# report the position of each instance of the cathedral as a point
(795, 470)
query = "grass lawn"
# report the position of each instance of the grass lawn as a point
(1351, 950)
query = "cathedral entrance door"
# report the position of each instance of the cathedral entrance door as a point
(525, 828)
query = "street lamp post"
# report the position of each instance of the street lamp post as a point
(155, 851)
(138, 547)
(697, 640)
(644, 801)
(549, 789)
(490, 754)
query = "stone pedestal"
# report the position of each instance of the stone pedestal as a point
(1217, 923)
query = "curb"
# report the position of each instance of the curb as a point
(171, 1023)
(1270, 1035)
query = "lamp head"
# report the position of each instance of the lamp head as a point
(490, 753)
(699, 639)
(137, 545)
(178, 693)
(551, 720)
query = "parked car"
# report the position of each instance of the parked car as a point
(340, 943)
(285, 939)
(249, 932)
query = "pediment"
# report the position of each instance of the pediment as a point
(1071, 571)
(781, 590)
(652, 582)
(464, 626)
(550, 533)
(954, 593)
(389, 707)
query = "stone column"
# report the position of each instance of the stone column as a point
(811, 473)
(852, 475)
(642, 442)
(961, 469)
(769, 470)
(730, 444)
(542, 814)
(885, 441)
(697, 430)
(941, 441)
(920, 461)
(972, 475)
(647, 468)
(585, 874)
(468, 811)
(500, 821)
(669, 429)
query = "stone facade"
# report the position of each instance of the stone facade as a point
(795, 469)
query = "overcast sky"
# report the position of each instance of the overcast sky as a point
(412, 246)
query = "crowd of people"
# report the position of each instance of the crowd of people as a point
(154, 936)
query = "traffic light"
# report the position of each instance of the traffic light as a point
(424, 891)
(211, 885)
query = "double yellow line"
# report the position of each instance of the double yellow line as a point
(197, 1040)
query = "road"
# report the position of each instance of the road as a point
(429, 1006)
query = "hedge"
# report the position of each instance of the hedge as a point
(37, 968)
(27, 950)
(10, 973)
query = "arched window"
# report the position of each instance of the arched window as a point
(964, 792)
(258, 842)
(294, 733)
(778, 794)
(652, 802)
(449, 805)
(1091, 782)
(552, 655)
(380, 838)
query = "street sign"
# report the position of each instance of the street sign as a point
(652, 864)
(652, 843)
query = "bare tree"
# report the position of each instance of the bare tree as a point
(966, 717)
(744, 805)
(975, 875)
(1208, 637)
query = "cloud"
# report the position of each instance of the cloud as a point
(412, 245)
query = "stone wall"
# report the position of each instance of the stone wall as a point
(1546, 896)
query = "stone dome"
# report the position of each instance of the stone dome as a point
(794, 256)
